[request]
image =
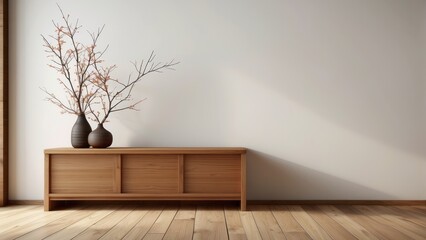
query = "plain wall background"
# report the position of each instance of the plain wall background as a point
(329, 96)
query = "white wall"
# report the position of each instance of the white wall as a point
(329, 96)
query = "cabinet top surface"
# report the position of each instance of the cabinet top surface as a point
(150, 150)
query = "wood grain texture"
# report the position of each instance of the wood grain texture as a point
(334, 229)
(141, 196)
(82, 173)
(152, 221)
(78, 227)
(212, 173)
(150, 174)
(142, 227)
(117, 174)
(10, 220)
(349, 224)
(339, 202)
(163, 221)
(25, 202)
(120, 229)
(243, 201)
(55, 226)
(181, 166)
(414, 215)
(380, 230)
(33, 222)
(12, 209)
(159, 150)
(100, 228)
(182, 226)
(210, 224)
(140, 174)
(233, 223)
(252, 232)
(153, 236)
(47, 203)
(186, 212)
(4, 103)
(291, 228)
(180, 229)
(310, 225)
(266, 223)
(411, 230)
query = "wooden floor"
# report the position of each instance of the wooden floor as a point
(214, 222)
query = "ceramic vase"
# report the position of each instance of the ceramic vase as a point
(80, 132)
(100, 137)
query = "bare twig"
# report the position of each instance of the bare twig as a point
(89, 87)
(74, 61)
(115, 100)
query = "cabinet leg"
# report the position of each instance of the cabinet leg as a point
(243, 205)
(47, 205)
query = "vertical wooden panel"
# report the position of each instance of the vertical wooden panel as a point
(150, 173)
(46, 182)
(117, 173)
(243, 183)
(181, 168)
(82, 173)
(215, 173)
(3, 103)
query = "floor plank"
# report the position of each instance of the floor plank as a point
(163, 222)
(333, 228)
(381, 230)
(9, 220)
(143, 226)
(266, 223)
(410, 213)
(100, 228)
(186, 212)
(29, 224)
(150, 221)
(153, 236)
(291, 228)
(234, 224)
(12, 210)
(182, 226)
(311, 227)
(80, 226)
(123, 227)
(413, 231)
(352, 226)
(250, 228)
(210, 224)
(57, 225)
(422, 208)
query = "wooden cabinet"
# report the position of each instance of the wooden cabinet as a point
(145, 174)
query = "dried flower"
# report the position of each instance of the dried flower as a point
(89, 87)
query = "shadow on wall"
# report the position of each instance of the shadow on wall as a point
(273, 178)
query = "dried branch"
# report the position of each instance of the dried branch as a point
(88, 86)
(74, 61)
(115, 100)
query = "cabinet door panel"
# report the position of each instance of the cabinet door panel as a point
(83, 173)
(150, 174)
(212, 173)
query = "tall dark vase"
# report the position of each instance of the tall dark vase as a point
(80, 132)
(100, 137)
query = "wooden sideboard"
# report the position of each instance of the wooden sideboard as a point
(145, 174)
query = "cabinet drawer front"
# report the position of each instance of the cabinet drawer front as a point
(150, 174)
(212, 174)
(82, 173)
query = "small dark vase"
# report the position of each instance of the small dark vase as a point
(100, 137)
(80, 131)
